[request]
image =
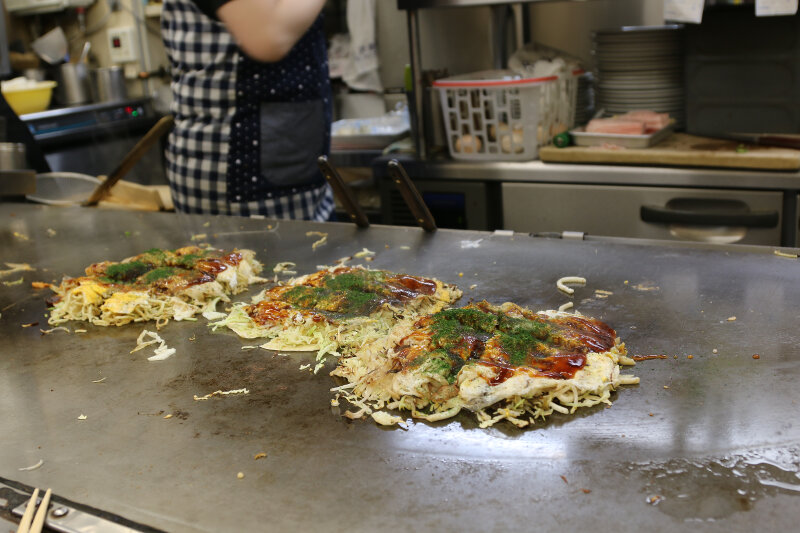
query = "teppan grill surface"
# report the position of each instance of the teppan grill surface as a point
(709, 439)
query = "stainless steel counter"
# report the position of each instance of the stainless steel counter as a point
(741, 183)
(539, 171)
(709, 442)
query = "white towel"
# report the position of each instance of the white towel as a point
(362, 74)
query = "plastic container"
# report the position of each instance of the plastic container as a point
(498, 115)
(31, 99)
(583, 138)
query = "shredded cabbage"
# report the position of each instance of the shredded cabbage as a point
(102, 305)
(373, 384)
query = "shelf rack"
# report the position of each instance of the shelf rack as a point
(415, 53)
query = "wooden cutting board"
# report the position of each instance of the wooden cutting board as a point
(681, 149)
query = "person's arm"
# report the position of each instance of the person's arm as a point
(267, 29)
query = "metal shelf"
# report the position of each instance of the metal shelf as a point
(413, 7)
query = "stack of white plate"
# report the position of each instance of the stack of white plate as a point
(641, 67)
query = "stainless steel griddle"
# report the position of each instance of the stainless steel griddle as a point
(709, 442)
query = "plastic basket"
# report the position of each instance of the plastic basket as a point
(497, 115)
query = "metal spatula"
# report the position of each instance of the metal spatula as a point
(411, 196)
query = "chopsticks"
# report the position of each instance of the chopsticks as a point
(25, 525)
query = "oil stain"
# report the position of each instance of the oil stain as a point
(714, 489)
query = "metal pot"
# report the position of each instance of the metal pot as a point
(109, 84)
(73, 87)
(12, 156)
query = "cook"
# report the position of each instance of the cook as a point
(252, 107)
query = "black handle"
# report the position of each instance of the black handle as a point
(411, 196)
(669, 215)
(342, 192)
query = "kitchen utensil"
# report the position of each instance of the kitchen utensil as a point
(52, 46)
(30, 97)
(109, 84)
(63, 517)
(156, 132)
(342, 192)
(73, 188)
(85, 52)
(63, 188)
(74, 87)
(412, 197)
(25, 525)
(12, 156)
(29, 510)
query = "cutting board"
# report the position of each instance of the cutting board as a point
(133, 196)
(681, 149)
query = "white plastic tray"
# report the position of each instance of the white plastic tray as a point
(582, 138)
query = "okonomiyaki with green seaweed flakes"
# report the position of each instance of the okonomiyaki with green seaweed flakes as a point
(338, 309)
(502, 362)
(155, 285)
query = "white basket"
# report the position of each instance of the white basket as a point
(496, 115)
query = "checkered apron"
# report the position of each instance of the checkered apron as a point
(247, 133)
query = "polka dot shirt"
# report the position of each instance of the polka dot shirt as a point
(247, 133)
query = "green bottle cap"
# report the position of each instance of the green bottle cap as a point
(562, 140)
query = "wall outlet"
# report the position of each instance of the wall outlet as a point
(123, 45)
